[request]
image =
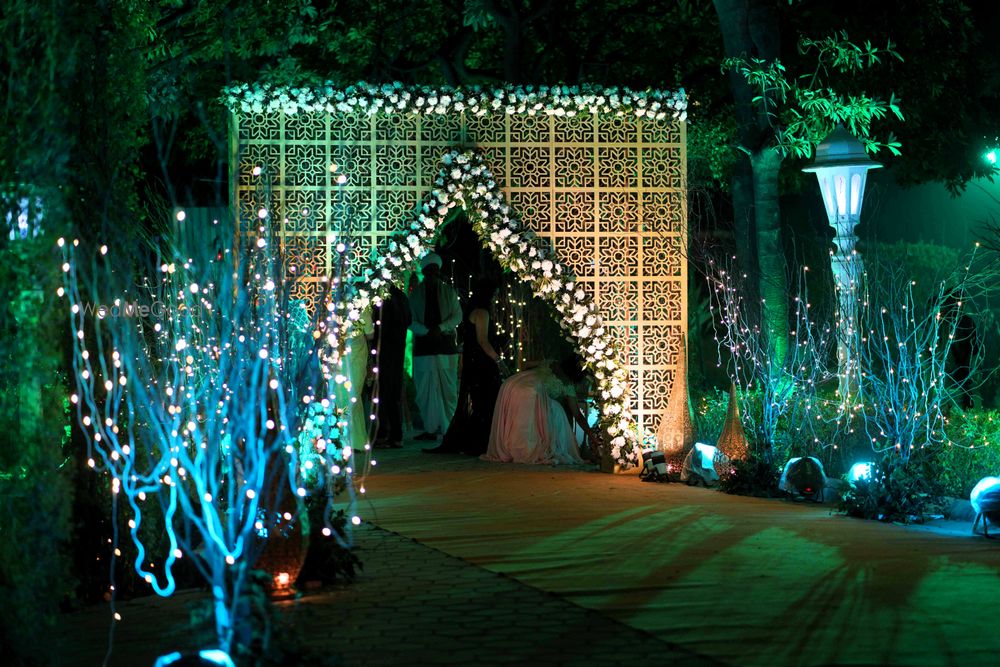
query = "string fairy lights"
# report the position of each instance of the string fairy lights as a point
(197, 398)
(904, 374)
(772, 391)
(909, 372)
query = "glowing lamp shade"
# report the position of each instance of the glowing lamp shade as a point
(860, 471)
(841, 166)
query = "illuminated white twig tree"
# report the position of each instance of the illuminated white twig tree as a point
(770, 391)
(190, 386)
(917, 356)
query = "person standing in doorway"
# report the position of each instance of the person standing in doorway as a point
(390, 335)
(469, 431)
(436, 315)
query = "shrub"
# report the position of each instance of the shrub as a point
(710, 415)
(818, 430)
(799, 433)
(973, 454)
(753, 477)
(905, 492)
(35, 491)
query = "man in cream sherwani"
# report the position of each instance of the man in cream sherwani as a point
(436, 315)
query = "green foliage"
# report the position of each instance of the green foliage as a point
(33, 571)
(817, 430)
(710, 157)
(898, 491)
(927, 263)
(753, 477)
(949, 80)
(804, 108)
(710, 414)
(37, 62)
(34, 486)
(974, 452)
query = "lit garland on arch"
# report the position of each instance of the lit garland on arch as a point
(479, 101)
(465, 181)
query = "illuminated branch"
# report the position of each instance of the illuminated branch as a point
(191, 386)
(770, 392)
(917, 358)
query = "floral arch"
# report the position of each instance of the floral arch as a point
(596, 178)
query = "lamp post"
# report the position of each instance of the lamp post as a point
(841, 167)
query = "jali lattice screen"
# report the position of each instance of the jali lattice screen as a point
(607, 191)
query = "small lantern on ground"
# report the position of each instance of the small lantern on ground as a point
(841, 167)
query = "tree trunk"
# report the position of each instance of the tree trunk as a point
(773, 284)
(744, 229)
(750, 29)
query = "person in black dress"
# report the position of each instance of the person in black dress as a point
(479, 384)
(390, 332)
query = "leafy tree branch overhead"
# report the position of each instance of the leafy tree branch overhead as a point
(804, 108)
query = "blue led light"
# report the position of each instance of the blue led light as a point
(860, 471)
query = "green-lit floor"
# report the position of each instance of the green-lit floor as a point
(743, 580)
(608, 570)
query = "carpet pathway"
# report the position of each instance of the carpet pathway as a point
(410, 605)
(746, 581)
(473, 563)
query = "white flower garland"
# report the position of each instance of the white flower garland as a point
(465, 181)
(474, 100)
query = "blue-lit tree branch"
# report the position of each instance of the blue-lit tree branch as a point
(191, 386)
(770, 392)
(908, 374)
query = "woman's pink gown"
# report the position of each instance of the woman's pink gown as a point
(529, 423)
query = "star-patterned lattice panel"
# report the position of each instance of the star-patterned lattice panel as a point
(605, 192)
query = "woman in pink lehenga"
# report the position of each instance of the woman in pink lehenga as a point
(531, 422)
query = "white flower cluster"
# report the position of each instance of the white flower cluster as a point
(474, 100)
(465, 181)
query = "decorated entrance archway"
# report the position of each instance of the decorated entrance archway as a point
(580, 192)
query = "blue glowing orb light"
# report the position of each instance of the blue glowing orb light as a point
(860, 471)
(200, 394)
